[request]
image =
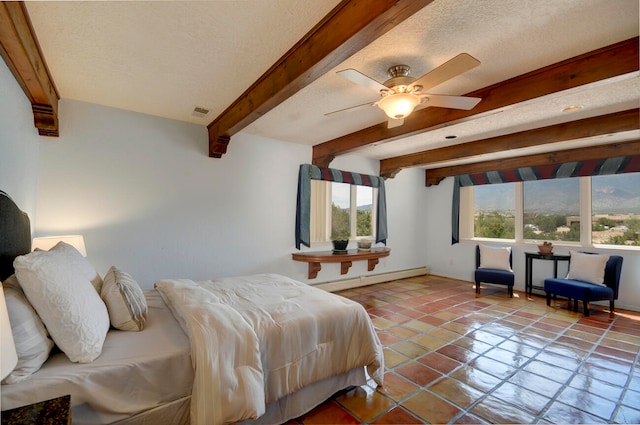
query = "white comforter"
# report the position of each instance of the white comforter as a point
(258, 338)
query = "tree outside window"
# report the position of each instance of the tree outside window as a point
(351, 213)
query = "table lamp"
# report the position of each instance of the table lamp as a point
(46, 243)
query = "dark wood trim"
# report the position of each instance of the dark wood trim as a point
(349, 27)
(587, 127)
(608, 62)
(20, 50)
(435, 175)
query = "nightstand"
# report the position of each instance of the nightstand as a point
(56, 411)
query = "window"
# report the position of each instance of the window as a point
(341, 210)
(364, 211)
(615, 209)
(494, 211)
(315, 198)
(554, 209)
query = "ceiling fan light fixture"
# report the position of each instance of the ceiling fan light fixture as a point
(401, 94)
(399, 105)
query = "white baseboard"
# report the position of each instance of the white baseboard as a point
(617, 306)
(341, 285)
(626, 307)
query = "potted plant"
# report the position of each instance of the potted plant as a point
(340, 241)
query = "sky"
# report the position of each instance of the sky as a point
(341, 194)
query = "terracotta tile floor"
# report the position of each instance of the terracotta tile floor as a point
(453, 358)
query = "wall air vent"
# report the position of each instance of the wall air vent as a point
(200, 112)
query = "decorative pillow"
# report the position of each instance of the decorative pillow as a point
(29, 334)
(494, 257)
(587, 267)
(56, 284)
(125, 301)
(79, 263)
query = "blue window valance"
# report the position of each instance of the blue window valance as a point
(597, 167)
(310, 172)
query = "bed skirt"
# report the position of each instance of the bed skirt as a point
(304, 400)
(173, 413)
(278, 412)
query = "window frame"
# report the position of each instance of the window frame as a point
(467, 209)
(321, 201)
(308, 172)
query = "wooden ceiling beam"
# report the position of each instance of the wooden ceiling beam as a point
(573, 130)
(608, 62)
(20, 50)
(349, 27)
(435, 175)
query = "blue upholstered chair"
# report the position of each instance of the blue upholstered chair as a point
(494, 276)
(577, 290)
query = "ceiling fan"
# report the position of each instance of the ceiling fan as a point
(402, 94)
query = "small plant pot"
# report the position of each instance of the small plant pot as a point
(364, 245)
(340, 245)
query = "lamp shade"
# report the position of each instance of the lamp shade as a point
(8, 355)
(46, 243)
(399, 105)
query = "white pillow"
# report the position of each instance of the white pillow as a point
(125, 301)
(79, 263)
(31, 339)
(587, 267)
(495, 257)
(56, 284)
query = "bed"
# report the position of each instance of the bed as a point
(247, 349)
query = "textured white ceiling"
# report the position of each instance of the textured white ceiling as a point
(165, 57)
(621, 96)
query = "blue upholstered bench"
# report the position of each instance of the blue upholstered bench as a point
(577, 290)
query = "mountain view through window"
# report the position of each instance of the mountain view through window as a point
(551, 210)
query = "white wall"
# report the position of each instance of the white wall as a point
(147, 199)
(458, 260)
(19, 143)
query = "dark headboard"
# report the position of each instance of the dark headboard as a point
(15, 234)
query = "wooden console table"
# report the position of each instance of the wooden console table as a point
(528, 264)
(316, 258)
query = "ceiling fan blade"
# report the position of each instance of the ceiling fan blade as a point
(453, 67)
(454, 102)
(361, 79)
(350, 107)
(392, 123)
